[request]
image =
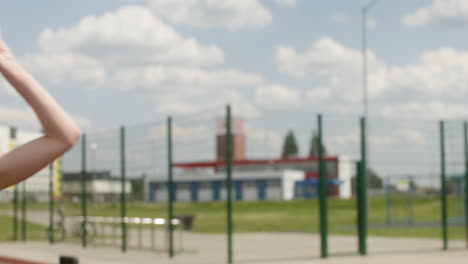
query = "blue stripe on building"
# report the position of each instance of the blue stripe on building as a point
(261, 189)
(194, 190)
(238, 186)
(216, 189)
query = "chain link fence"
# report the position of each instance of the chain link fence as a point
(296, 190)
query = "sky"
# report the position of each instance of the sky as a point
(116, 62)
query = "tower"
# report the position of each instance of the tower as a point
(238, 139)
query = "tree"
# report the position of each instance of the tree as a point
(314, 146)
(374, 180)
(138, 187)
(290, 148)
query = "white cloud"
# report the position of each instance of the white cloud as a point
(334, 67)
(131, 35)
(337, 74)
(228, 14)
(19, 117)
(317, 95)
(114, 51)
(181, 103)
(25, 118)
(338, 17)
(431, 110)
(288, 3)
(184, 90)
(371, 23)
(277, 96)
(161, 77)
(441, 14)
(263, 142)
(443, 72)
(59, 68)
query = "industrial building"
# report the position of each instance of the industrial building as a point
(101, 186)
(253, 179)
(282, 179)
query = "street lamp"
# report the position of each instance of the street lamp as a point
(365, 9)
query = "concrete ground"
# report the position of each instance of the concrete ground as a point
(252, 249)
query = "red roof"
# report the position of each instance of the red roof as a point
(222, 163)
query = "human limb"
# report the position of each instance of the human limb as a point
(60, 132)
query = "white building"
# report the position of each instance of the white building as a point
(248, 186)
(283, 179)
(100, 185)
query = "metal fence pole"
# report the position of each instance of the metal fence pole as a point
(51, 204)
(388, 199)
(358, 191)
(362, 182)
(323, 184)
(170, 185)
(443, 187)
(84, 192)
(23, 213)
(123, 205)
(15, 212)
(229, 181)
(411, 200)
(465, 141)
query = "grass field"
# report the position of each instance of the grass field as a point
(289, 216)
(34, 231)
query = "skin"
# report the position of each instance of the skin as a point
(60, 131)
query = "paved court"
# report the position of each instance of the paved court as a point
(255, 248)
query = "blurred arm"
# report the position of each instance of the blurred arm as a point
(60, 132)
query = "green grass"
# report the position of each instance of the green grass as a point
(34, 231)
(290, 216)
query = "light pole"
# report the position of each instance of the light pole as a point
(365, 9)
(365, 124)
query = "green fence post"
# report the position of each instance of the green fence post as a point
(411, 200)
(443, 187)
(358, 189)
(23, 213)
(84, 193)
(465, 141)
(170, 184)
(388, 199)
(363, 203)
(323, 187)
(51, 204)
(123, 205)
(229, 181)
(15, 212)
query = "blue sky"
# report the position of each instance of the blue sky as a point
(248, 49)
(113, 62)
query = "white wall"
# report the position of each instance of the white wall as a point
(205, 193)
(345, 171)
(273, 192)
(183, 194)
(161, 194)
(289, 179)
(250, 193)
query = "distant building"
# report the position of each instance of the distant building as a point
(238, 139)
(100, 185)
(281, 179)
